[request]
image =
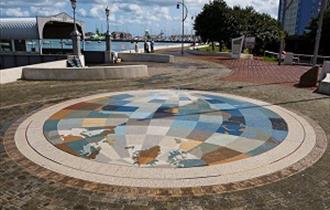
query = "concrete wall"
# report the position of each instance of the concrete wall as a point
(146, 57)
(200, 52)
(222, 54)
(10, 60)
(324, 86)
(86, 74)
(13, 74)
(157, 47)
(325, 70)
(93, 57)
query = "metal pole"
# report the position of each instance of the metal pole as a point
(74, 19)
(75, 34)
(40, 46)
(281, 47)
(319, 31)
(108, 24)
(108, 55)
(182, 41)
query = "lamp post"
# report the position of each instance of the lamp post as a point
(324, 4)
(75, 33)
(184, 17)
(193, 32)
(108, 37)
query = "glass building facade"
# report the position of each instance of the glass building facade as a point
(296, 15)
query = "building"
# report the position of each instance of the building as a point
(296, 15)
(117, 35)
(28, 40)
(17, 33)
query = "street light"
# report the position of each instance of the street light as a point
(108, 37)
(75, 34)
(184, 17)
(193, 31)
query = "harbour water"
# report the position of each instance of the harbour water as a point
(117, 46)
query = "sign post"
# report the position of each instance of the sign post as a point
(237, 47)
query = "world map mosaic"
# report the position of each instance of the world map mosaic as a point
(165, 129)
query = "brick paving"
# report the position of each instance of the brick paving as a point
(258, 71)
(21, 189)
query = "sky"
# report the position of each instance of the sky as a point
(134, 16)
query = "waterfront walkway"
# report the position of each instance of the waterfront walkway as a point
(25, 186)
(258, 71)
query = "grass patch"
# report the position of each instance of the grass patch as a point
(270, 59)
(216, 49)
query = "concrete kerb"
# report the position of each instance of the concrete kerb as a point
(222, 54)
(146, 57)
(13, 74)
(86, 74)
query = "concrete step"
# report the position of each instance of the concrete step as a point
(324, 87)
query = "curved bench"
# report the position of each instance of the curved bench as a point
(85, 74)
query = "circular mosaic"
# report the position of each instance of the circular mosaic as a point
(165, 138)
(165, 129)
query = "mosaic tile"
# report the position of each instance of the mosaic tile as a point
(203, 149)
(84, 106)
(278, 124)
(138, 130)
(179, 132)
(69, 124)
(189, 145)
(244, 145)
(157, 130)
(268, 145)
(77, 114)
(200, 135)
(94, 122)
(221, 139)
(219, 155)
(211, 118)
(165, 129)
(61, 114)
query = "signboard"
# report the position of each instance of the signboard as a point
(237, 47)
(250, 42)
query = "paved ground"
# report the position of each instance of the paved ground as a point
(259, 72)
(309, 189)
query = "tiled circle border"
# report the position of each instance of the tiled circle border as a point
(198, 187)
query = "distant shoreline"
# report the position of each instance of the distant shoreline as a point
(130, 40)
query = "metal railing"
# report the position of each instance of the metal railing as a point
(300, 59)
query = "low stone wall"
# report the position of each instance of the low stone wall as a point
(13, 74)
(86, 74)
(146, 57)
(324, 87)
(325, 70)
(200, 52)
(12, 60)
(222, 54)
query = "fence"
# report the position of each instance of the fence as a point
(301, 59)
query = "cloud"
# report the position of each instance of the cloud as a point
(264, 6)
(16, 12)
(159, 14)
(44, 11)
(82, 12)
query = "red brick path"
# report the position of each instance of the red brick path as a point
(258, 71)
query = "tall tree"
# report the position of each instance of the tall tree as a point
(218, 22)
(248, 22)
(212, 23)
